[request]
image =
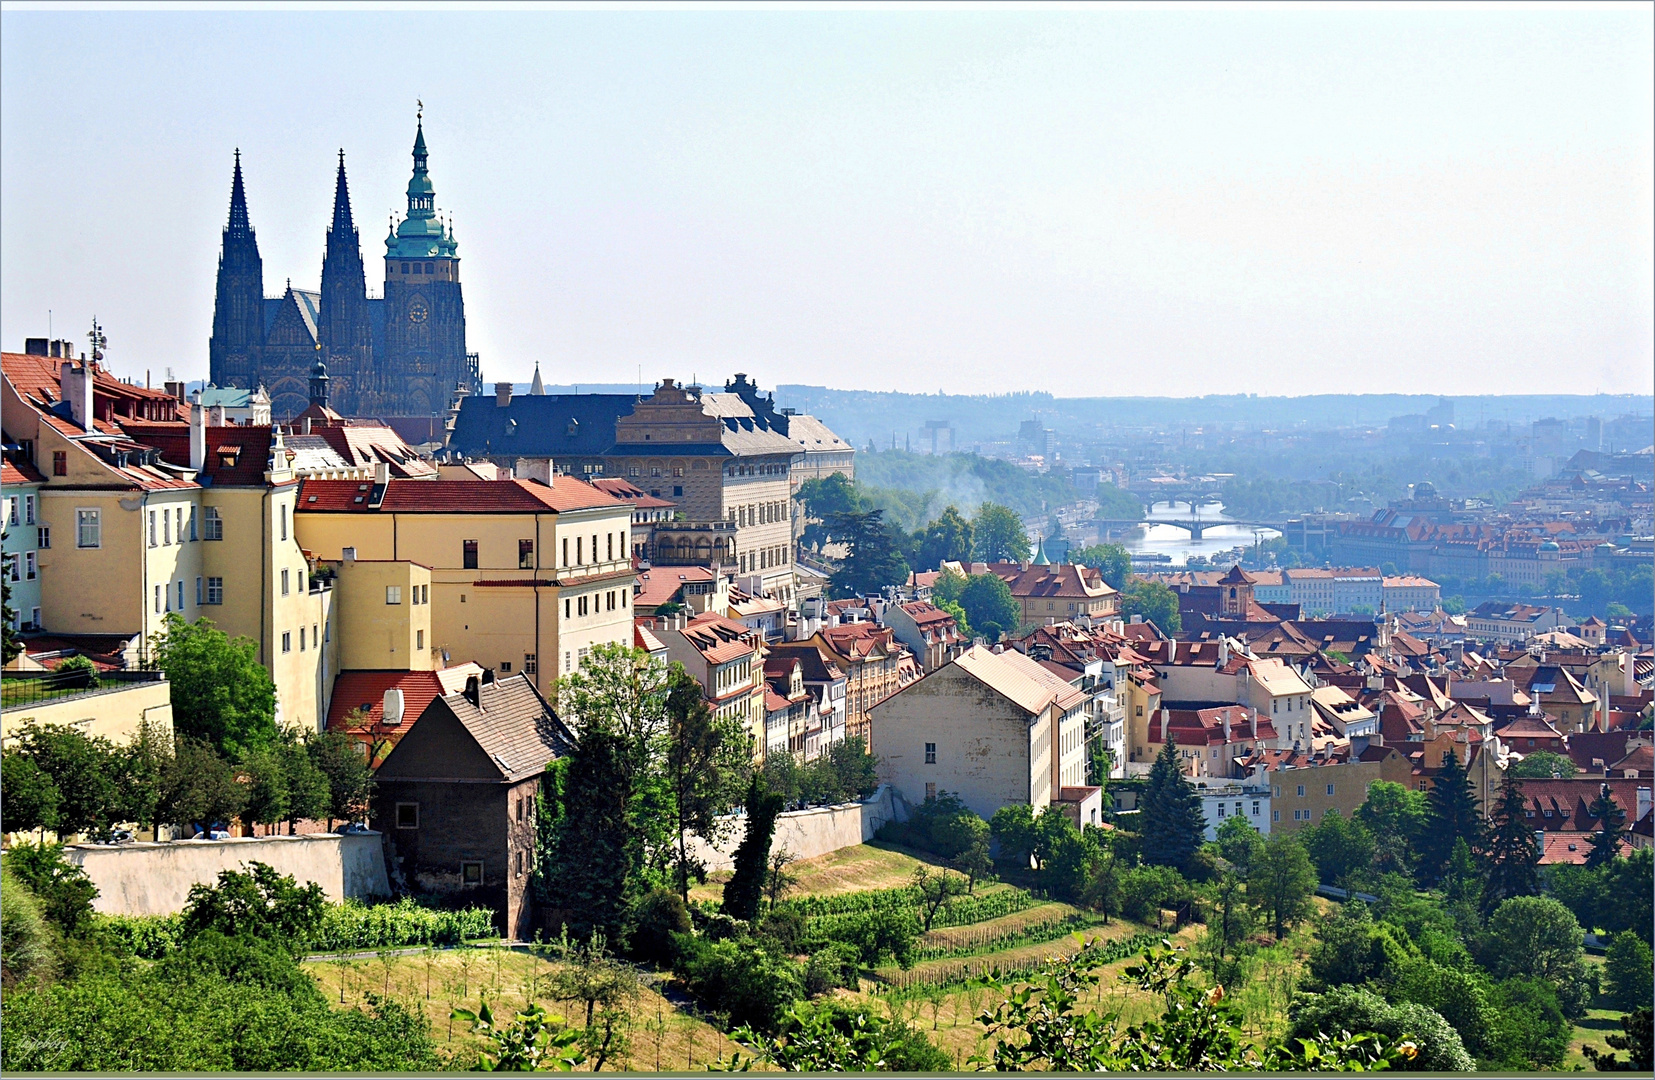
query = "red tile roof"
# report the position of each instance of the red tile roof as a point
(452, 496)
(357, 689)
(18, 470)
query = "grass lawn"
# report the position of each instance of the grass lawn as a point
(854, 869)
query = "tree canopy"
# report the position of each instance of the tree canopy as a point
(220, 691)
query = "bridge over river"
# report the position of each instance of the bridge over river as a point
(1195, 526)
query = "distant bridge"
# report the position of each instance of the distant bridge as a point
(1194, 526)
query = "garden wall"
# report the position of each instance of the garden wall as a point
(812, 832)
(155, 879)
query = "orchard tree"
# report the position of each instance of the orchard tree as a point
(1282, 881)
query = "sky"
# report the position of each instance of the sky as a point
(1088, 201)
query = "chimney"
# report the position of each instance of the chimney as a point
(393, 707)
(382, 473)
(1252, 716)
(534, 469)
(502, 394)
(306, 428)
(215, 416)
(176, 389)
(1226, 726)
(1166, 719)
(488, 676)
(473, 690)
(198, 437)
(75, 383)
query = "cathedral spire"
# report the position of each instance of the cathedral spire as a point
(239, 223)
(342, 222)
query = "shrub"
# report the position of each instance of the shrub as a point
(1351, 1009)
(76, 673)
(833, 965)
(236, 960)
(26, 951)
(739, 979)
(260, 903)
(1145, 890)
(64, 890)
(660, 915)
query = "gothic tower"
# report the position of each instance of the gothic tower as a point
(343, 329)
(234, 351)
(424, 355)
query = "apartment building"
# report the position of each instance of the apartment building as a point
(23, 533)
(525, 577)
(728, 660)
(872, 660)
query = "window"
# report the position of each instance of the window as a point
(215, 590)
(152, 528)
(471, 873)
(1330, 789)
(301, 639)
(583, 605)
(530, 665)
(43, 536)
(30, 568)
(1301, 791)
(200, 597)
(930, 753)
(192, 523)
(1275, 815)
(505, 666)
(678, 491)
(158, 600)
(566, 608)
(34, 618)
(166, 528)
(609, 545)
(287, 641)
(519, 864)
(425, 594)
(214, 523)
(930, 792)
(284, 521)
(60, 463)
(180, 594)
(521, 803)
(580, 551)
(525, 554)
(565, 551)
(393, 594)
(284, 582)
(11, 510)
(468, 559)
(407, 815)
(419, 639)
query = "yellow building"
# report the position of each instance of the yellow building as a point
(121, 704)
(383, 611)
(525, 577)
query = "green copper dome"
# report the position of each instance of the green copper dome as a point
(420, 235)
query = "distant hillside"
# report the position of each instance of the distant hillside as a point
(914, 488)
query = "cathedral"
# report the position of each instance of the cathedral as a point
(403, 355)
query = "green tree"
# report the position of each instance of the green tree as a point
(220, 691)
(198, 786)
(266, 782)
(83, 770)
(309, 792)
(1512, 857)
(1012, 828)
(1282, 881)
(822, 500)
(142, 764)
(745, 888)
(1542, 765)
(339, 757)
(948, 588)
(594, 859)
(1350, 1008)
(1637, 1038)
(260, 903)
(960, 619)
(998, 535)
(1170, 822)
(1539, 937)
(703, 757)
(1340, 847)
(1606, 841)
(10, 644)
(873, 555)
(1627, 971)
(1351, 949)
(990, 607)
(1155, 602)
(1395, 816)
(947, 539)
(1113, 560)
(28, 797)
(64, 890)
(1451, 814)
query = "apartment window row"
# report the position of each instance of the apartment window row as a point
(613, 546)
(755, 470)
(20, 510)
(169, 597)
(593, 603)
(22, 567)
(757, 513)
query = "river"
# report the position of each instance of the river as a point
(1178, 545)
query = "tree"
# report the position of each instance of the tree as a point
(1170, 822)
(702, 756)
(1395, 816)
(1350, 1008)
(1539, 937)
(990, 607)
(1013, 830)
(1282, 881)
(1339, 846)
(1542, 765)
(141, 766)
(1606, 841)
(960, 619)
(64, 890)
(309, 792)
(778, 880)
(28, 797)
(998, 535)
(947, 539)
(266, 783)
(1627, 971)
(1239, 844)
(82, 770)
(822, 500)
(873, 556)
(1512, 857)
(1228, 927)
(594, 858)
(220, 691)
(935, 890)
(339, 757)
(198, 786)
(1155, 602)
(1451, 814)
(1638, 1026)
(260, 903)
(746, 885)
(947, 588)
(10, 644)
(1350, 949)
(1113, 560)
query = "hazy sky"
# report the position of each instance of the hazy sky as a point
(1152, 200)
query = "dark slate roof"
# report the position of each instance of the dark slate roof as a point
(661, 449)
(547, 425)
(515, 727)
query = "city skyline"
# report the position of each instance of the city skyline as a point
(1142, 201)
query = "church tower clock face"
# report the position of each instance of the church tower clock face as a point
(418, 312)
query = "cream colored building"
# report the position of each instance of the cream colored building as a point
(997, 729)
(1301, 796)
(525, 577)
(121, 704)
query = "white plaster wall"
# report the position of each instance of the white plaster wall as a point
(155, 879)
(812, 832)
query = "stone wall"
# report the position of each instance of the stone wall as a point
(812, 832)
(155, 879)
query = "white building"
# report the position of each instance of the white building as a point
(1225, 799)
(1409, 592)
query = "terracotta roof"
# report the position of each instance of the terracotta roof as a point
(660, 584)
(1639, 762)
(1570, 848)
(1055, 580)
(452, 496)
(720, 640)
(369, 443)
(1205, 727)
(645, 639)
(929, 615)
(18, 470)
(355, 689)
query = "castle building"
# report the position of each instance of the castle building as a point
(400, 355)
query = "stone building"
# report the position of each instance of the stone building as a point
(400, 354)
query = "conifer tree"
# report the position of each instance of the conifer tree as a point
(745, 889)
(1170, 822)
(1606, 842)
(1512, 854)
(596, 852)
(1450, 815)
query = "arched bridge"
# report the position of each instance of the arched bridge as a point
(1194, 526)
